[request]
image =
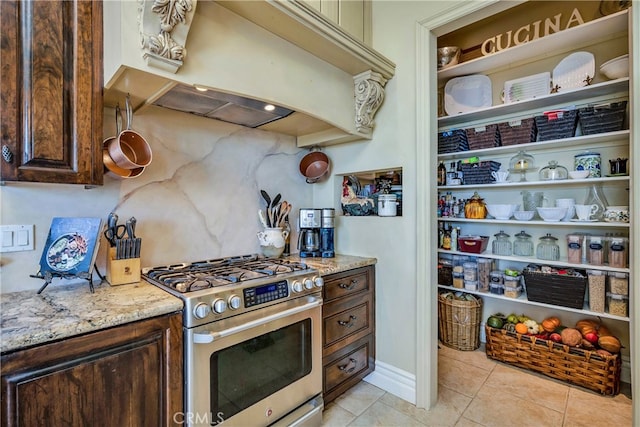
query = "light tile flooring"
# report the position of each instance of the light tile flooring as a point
(476, 391)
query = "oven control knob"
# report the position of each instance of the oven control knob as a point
(318, 281)
(201, 310)
(219, 306)
(297, 286)
(308, 283)
(234, 302)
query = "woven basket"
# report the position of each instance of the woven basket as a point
(459, 322)
(483, 137)
(518, 131)
(574, 365)
(602, 118)
(479, 172)
(557, 124)
(452, 141)
(556, 289)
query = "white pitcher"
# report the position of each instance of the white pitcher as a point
(272, 241)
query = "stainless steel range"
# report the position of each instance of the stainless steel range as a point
(252, 330)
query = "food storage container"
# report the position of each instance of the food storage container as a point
(471, 285)
(512, 291)
(484, 274)
(618, 283)
(548, 249)
(523, 245)
(574, 248)
(596, 290)
(475, 208)
(496, 288)
(618, 252)
(470, 271)
(588, 161)
(501, 245)
(617, 305)
(458, 280)
(496, 277)
(595, 250)
(512, 281)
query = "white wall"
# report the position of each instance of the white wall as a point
(198, 199)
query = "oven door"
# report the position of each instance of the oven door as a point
(254, 368)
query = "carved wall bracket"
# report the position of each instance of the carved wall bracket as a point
(164, 26)
(369, 94)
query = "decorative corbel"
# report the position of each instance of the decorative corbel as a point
(164, 26)
(369, 91)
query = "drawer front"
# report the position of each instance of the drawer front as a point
(355, 320)
(348, 366)
(343, 285)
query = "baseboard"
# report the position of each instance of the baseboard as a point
(393, 380)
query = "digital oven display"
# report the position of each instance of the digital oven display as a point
(266, 293)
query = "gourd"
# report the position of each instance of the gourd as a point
(550, 324)
(610, 343)
(475, 207)
(571, 337)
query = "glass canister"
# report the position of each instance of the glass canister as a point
(501, 244)
(523, 245)
(548, 248)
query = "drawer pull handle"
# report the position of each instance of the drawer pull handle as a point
(348, 323)
(7, 155)
(344, 367)
(349, 286)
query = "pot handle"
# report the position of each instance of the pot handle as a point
(129, 111)
(118, 120)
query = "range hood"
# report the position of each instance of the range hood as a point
(227, 60)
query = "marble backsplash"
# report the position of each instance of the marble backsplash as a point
(199, 198)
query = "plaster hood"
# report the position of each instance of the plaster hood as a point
(325, 85)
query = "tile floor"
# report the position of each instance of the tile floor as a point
(477, 391)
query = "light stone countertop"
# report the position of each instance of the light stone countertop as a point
(63, 311)
(334, 265)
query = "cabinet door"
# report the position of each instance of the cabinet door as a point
(51, 105)
(126, 376)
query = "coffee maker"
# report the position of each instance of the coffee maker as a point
(326, 233)
(310, 221)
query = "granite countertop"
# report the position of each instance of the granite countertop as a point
(63, 311)
(334, 265)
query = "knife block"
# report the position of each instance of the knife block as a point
(122, 271)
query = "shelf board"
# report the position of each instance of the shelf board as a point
(595, 224)
(523, 300)
(567, 40)
(608, 139)
(518, 184)
(531, 260)
(554, 100)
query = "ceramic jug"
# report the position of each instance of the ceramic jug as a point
(272, 241)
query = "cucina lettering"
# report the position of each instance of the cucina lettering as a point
(529, 32)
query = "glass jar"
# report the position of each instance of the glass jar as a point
(595, 196)
(553, 171)
(548, 248)
(523, 245)
(501, 244)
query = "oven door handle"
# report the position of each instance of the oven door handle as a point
(209, 337)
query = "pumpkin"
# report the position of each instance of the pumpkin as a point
(610, 343)
(587, 326)
(550, 324)
(521, 328)
(571, 337)
(603, 331)
(475, 207)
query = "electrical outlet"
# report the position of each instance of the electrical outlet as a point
(15, 238)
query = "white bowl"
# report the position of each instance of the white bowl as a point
(552, 214)
(501, 211)
(616, 68)
(579, 174)
(523, 215)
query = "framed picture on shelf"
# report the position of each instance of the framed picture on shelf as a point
(71, 247)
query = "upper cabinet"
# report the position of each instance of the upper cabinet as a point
(354, 16)
(51, 107)
(286, 53)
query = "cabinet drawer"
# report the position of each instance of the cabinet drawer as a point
(353, 363)
(355, 320)
(342, 285)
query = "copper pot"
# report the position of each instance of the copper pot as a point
(314, 166)
(130, 150)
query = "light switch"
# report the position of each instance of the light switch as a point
(17, 238)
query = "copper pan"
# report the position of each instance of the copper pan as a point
(130, 150)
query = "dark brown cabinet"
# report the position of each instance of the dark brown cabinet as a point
(129, 375)
(348, 334)
(51, 97)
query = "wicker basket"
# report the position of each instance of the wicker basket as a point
(556, 289)
(483, 137)
(518, 131)
(479, 172)
(574, 365)
(459, 322)
(452, 141)
(602, 118)
(557, 124)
